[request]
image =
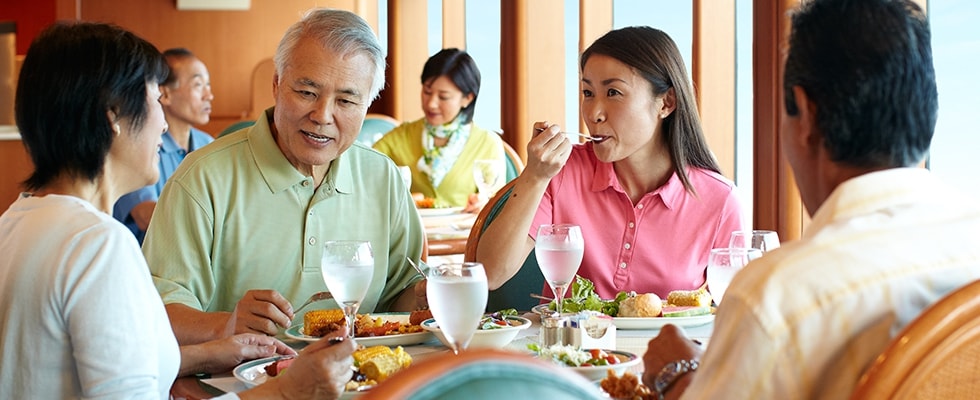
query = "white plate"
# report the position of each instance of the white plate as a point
(405, 339)
(252, 373)
(592, 373)
(434, 212)
(636, 323)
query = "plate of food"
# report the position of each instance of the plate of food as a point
(441, 211)
(378, 329)
(593, 364)
(631, 311)
(372, 365)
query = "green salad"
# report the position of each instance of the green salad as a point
(584, 298)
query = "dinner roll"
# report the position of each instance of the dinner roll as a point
(645, 305)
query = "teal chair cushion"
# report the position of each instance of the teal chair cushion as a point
(492, 380)
(373, 129)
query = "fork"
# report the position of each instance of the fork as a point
(318, 296)
(587, 137)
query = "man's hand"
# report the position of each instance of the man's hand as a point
(670, 345)
(260, 311)
(321, 370)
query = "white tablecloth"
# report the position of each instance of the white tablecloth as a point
(633, 341)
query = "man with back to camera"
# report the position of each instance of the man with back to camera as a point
(186, 99)
(240, 236)
(886, 241)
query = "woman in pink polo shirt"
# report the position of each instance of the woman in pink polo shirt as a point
(646, 190)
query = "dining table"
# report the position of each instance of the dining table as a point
(446, 229)
(627, 340)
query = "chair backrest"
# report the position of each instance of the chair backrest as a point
(515, 165)
(374, 127)
(484, 374)
(262, 98)
(515, 293)
(236, 126)
(937, 356)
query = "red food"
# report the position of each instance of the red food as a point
(278, 366)
(378, 330)
(418, 316)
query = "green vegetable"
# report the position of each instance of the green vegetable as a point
(584, 297)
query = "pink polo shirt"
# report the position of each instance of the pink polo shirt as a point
(658, 245)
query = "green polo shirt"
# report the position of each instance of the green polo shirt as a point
(236, 215)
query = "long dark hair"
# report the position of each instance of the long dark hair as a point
(654, 55)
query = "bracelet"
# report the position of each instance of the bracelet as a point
(670, 373)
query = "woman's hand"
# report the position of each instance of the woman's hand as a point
(224, 354)
(547, 151)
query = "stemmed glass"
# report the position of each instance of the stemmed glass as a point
(559, 249)
(489, 176)
(723, 264)
(457, 294)
(347, 267)
(763, 240)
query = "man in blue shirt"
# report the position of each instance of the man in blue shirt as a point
(186, 98)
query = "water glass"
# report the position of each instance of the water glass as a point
(558, 249)
(758, 239)
(347, 267)
(489, 176)
(457, 294)
(723, 264)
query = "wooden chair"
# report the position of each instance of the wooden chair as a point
(515, 165)
(261, 97)
(937, 356)
(484, 374)
(516, 292)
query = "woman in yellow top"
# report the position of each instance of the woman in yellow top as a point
(441, 148)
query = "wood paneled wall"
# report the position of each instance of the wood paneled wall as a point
(231, 43)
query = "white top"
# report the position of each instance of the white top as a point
(81, 318)
(807, 319)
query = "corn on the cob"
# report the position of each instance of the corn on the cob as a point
(379, 362)
(693, 298)
(320, 322)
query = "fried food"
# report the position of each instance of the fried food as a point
(627, 386)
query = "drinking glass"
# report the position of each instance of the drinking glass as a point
(347, 267)
(489, 176)
(457, 294)
(762, 240)
(559, 249)
(723, 264)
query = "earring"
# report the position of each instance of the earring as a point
(115, 128)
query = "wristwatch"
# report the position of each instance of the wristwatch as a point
(670, 373)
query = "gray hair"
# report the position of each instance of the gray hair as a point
(340, 31)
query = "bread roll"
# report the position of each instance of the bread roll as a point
(645, 305)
